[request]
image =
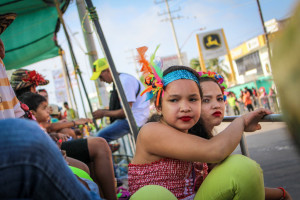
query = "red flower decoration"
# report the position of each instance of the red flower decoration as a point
(34, 77)
(24, 106)
(28, 113)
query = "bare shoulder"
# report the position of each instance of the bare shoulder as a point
(146, 140)
(151, 129)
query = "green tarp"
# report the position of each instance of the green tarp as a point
(32, 36)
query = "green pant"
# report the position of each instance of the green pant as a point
(237, 177)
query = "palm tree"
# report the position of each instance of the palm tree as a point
(195, 64)
(216, 65)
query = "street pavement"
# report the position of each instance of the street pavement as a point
(273, 148)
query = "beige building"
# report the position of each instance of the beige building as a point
(251, 59)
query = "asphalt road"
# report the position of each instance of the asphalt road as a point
(277, 155)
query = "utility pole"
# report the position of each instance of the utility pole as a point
(91, 48)
(173, 29)
(264, 27)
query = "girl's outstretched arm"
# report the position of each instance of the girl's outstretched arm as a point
(157, 140)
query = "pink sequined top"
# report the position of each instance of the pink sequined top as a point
(182, 178)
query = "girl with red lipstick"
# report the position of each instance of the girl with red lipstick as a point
(212, 114)
(170, 162)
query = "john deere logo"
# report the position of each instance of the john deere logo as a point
(212, 41)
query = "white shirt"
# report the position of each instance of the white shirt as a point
(9, 104)
(140, 107)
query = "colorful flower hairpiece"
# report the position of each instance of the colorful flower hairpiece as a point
(154, 76)
(34, 78)
(216, 77)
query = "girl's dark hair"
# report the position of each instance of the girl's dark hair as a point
(206, 79)
(22, 91)
(32, 100)
(154, 118)
(199, 130)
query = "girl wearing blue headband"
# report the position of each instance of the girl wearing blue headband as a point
(170, 163)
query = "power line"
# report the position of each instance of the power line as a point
(170, 19)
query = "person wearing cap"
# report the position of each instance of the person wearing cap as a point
(9, 104)
(55, 113)
(132, 88)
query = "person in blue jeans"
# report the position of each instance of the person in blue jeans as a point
(32, 167)
(119, 126)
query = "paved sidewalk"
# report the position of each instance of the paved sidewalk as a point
(273, 148)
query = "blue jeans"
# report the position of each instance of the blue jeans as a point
(31, 165)
(115, 130)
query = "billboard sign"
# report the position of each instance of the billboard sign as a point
(212, 44)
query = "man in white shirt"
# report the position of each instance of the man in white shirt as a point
(132, 88)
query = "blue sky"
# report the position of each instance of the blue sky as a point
(128, 24)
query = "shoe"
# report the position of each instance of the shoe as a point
(123, 193)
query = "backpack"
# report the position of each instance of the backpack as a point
(114, 100)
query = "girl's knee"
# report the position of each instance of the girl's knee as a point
(242, 164)
(236, 177)
(98, 144)
(240, 169)
(153, 192)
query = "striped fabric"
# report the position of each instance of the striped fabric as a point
(9, 104)
(6, 20)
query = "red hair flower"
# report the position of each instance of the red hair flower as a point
(34, 77)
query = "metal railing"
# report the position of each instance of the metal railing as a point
(243, 142)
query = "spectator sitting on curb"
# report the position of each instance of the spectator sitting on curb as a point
(140, 108)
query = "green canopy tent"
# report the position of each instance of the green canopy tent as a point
(32, 36)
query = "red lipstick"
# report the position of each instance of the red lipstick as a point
(217, 114)
(185, 118)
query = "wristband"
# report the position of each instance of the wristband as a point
(283, 195)
(74, 124)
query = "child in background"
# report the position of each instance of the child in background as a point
(168, 157)
(36, 102)
(94, 152)
(54, 113)
(38, 105)
(55, 116)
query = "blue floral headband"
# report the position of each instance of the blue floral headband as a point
(179, 74)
